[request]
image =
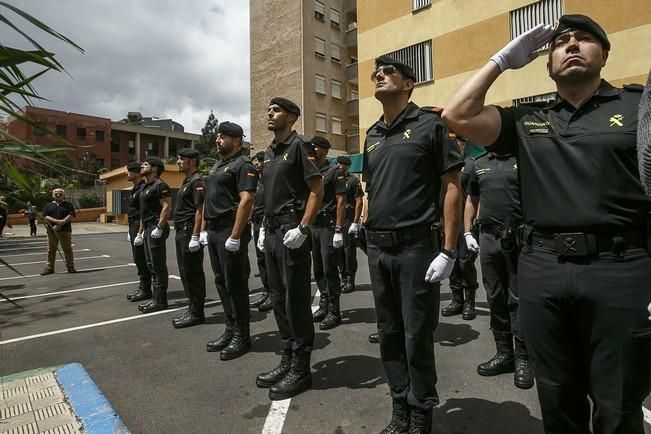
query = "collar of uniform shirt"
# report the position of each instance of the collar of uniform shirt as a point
(409, 112)
(605, 90)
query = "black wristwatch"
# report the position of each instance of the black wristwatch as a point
(305, 230)
(451, 253)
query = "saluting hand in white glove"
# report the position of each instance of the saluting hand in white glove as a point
(522, 50)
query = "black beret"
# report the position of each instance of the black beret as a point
(343, 160)
(402, 67)
(321, 142)
(259, 156)
(155, 161)
(230, 129)
(134, 166)
(567, 23)
(286, 104)
(189, 153)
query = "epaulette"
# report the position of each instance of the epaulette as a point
(433, 109)
(247, 159)
(634, 87)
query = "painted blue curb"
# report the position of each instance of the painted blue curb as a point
(88, 402)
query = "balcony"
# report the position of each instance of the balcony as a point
(352, 108)
(351, 73)
(351, 37)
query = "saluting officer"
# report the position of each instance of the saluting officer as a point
(188, 219)
(155, 208)
(293, 190)
(584, 271)
(138, 251)
(230, 191)
(263, 303)
(408, 159)
(354, 206)
(494, 187)
(327, 237)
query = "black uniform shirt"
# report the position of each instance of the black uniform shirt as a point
(287, 166)
(403, 164)
(353, 191)
(578, 167)
(226, 180)
(189, 197)
(150, 197)
(333, 184)
(258, 203)
(495, 181)
(133, 204)
(60, 211)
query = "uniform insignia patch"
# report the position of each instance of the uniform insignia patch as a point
(225, 169)
(373, 146)
(616, 120)
(406, 134)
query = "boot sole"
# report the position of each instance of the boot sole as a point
(267, 384)
(280, 396)
(231, 356)
(450, 313)
(468, 317)
(523, 385)
(329, 327)
(184, 326)
(215, 349)
(484, 373)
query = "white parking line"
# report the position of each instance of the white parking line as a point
(647, 415)
(80, 270)
(98, 324)
(49, 294)
(59, 260)
(42, 253)
(482, 309)
(27, 243)
(22, 248)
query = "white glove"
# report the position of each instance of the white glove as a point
(471, 242)
(294, 238)
(354, 228)
(203, 238)
(128, 237)
(157, 232)
(139, 240)
(194, 244)
(232, 245)
(649, 309)
(338, 240)
(522, 49)
(440, 268)
(261, 236)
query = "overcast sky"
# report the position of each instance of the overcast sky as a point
(165, 58)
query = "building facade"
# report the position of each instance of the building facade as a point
(445, 41)
(306, 51)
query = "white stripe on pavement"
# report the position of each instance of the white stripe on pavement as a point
(22, 248)
(49, 294)
(647, 415)
(98, 324)
(80, 270)
(276, 417)
(58, 260)
(27, 243)
(482, 309)
(41, 253)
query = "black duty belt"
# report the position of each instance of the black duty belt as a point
(493, 229)
(395, 238)
(588, 244)
(325, 219)
(181, 226)
(221, 221)
(276, 221)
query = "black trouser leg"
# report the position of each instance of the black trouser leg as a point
(156, 256)
(587, 334)
(497, 280)
(191, 271)
(139, 258)
(349, 253)
(288, 271)
(407, 311)
(260, 258)
(324, 256)
(32, 226)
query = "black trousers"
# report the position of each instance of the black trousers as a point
(347, 256)
(156, 256)
(324, 256)
(260, 257)
(190, 269)
(501, 285)
(32, 226)
(289, 284)
(588, 334)
(139, 257)
(230, 272)
(407, 311)
(464, 273)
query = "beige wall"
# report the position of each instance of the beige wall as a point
(171, 176)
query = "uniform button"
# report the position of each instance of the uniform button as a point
(540, 243)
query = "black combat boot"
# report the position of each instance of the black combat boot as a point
(145, 305)
(346, 284)
(420, 420)
(268, 379)
(258, 301)
(222, 342)
(374, 338)
(456, 305)
(503, 361)
(158, 301)
(190, 318)
(266, 305)
(523, 377)
(143, 292)
(240, 344)
(297, 380)
(333, 317)
(322, 311)
(399, 418)
(469, 304)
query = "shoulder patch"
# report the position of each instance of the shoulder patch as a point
(634, 87)
(433, 109)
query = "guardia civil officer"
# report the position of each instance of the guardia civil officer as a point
(494, 187)
(327, 237)
(584, 272)
(230, 191)
(133, 215)
(293, 191)
(408, 159)
(354, 206)
(188, 219)
(263, 303)
(155, 208)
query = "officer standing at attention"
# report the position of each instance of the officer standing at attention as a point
(133, 215)
(230, 192)
(188, 219)
(354, 205)
(408, 159)
(155, 208)
(494, 187)
(264, 302)
(327, 237)
(584, 271)
(293, 191)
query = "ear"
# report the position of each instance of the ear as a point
(409, 84)
(604, 57)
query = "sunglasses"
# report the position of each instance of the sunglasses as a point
(58, 194)
(385, 70)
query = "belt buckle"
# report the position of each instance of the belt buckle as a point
(571, 244)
